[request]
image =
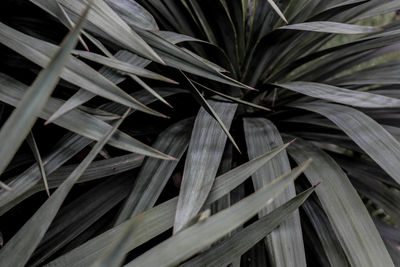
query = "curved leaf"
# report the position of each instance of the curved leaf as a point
(377, 142)
(345, 210)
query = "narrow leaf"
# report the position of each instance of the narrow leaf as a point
(18, 125)
(342, 95)
(189, 241)
(77, 121)
(35, 150)
(330, 27)
(277, 10)
(121, 66)
(18, 250)
(155, 221)
(203, 102)
(236, 245)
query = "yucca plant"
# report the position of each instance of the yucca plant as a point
(210, 110)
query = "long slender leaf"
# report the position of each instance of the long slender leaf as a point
(32, 143)
(345, 210)
(18, 125)
(80, 215)
(203, 102)
(121, 66)
(160, 218)
(18, 250)
(109, 22)
(191, 240)
(96, 170)
(261, 137)
(239, 243)
(75, 71)
(155, 173)
(277, 10)
(76, 120)
(330, 27)
(342, 95)
(204, 155)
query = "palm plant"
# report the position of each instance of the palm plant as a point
(256, 89)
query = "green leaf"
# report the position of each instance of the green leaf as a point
(155, 173)
(345, 210)
(155, 221)
(377, 142)
(330, 27)
(189, 241)
(342, 95)
(203, 157)
(19, 123)
(237, 244)
(261, 137)
(18, 250)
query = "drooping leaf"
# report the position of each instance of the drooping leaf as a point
(345, 210)
(377, 142)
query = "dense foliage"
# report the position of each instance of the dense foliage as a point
(165, 133)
